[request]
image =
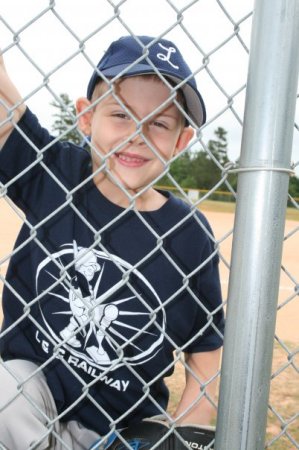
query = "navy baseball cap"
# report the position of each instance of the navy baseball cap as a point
(128, 56)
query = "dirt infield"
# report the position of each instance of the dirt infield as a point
(287, 317)
(222, 223)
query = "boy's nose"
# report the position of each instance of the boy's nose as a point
(136, 135)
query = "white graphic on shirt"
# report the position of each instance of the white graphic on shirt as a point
(167, 57)
(93, 315)
(98, 354)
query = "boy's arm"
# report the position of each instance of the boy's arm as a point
(205, 365)
(9, 96)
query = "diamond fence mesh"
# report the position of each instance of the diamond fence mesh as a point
(52, 48)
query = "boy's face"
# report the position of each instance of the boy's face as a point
(135, 164)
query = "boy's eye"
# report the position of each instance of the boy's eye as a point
(160, 124)
(120, 115)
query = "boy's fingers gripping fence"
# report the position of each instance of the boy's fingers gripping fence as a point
(148, 433)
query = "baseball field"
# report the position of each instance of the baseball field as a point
(284, 386)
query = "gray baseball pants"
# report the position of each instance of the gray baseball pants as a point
(26, 408)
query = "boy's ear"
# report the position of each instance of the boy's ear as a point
(84, 119)
(184, 139)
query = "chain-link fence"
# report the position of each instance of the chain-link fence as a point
(51, 48)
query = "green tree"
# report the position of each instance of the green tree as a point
(294, 187)
(205, 171)
(65, 119)
(180, 170)
(218, 147)
(200, 169)
(207, 166)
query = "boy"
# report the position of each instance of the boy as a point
(109, 276)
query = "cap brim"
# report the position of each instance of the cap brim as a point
(194, 102)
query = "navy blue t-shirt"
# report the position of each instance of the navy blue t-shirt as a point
(100, 295)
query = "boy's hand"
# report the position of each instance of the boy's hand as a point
(200, 388)
(9, 97)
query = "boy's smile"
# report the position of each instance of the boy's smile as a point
(129, 159)
(143, 129)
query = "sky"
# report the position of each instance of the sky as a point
(50, 36)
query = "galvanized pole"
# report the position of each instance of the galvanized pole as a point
(259, 225)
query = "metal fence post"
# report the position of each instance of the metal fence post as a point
(259, 225)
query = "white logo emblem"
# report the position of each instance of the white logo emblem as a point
(167, 57)
(92, 315)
